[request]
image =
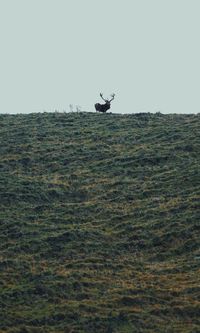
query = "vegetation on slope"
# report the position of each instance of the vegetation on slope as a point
(99, 223)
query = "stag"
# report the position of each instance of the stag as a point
(104, 107)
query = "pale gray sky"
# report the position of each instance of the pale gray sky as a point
(60, 52)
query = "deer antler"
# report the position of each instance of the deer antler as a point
(113, 96)
(102, 97)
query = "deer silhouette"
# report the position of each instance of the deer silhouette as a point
(104, 107)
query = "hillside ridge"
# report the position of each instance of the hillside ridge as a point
(99, 223)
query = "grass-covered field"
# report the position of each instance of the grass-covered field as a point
(100, 227)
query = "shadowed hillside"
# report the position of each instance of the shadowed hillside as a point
(99, 226)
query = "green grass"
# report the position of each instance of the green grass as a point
(99, 226)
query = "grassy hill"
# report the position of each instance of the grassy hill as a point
(100, 227)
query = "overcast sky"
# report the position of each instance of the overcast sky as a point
(60, 52)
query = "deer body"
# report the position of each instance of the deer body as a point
(104, 107)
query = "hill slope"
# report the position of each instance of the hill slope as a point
(99, 223)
